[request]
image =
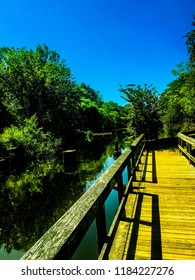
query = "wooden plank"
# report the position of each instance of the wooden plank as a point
(68, 231)
(186, 138)
(102, 134)
(137, 140)
(166, 221)
(64, 236)
(101, 227)
(124, 229)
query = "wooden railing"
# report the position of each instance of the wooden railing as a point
(63, 238)
(186, 145)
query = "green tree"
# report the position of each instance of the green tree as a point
(27, 140)
(89, 102)
(114, 115)
(91, 117)
(89, 93)
(144, 106)
(177, 102)
(190, 43)
(39, 82)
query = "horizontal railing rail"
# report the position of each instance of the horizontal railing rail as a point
(63, 238)
(186, 144)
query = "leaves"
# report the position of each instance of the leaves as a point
(31, 140)
(177, 103)
(190, 43)
(144, 106)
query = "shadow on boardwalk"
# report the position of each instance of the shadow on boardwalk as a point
(156, 244)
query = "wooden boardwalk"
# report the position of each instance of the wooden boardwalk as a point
(159, 218)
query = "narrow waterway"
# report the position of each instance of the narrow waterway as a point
(35, 196)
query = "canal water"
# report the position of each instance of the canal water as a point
(34, 196)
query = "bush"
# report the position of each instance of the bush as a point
(29, 140)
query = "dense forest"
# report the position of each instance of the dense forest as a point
(43, 108)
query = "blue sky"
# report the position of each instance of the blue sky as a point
(105, 42)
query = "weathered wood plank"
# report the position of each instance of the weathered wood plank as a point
(186, 138)
(64, 236)
(165, 215)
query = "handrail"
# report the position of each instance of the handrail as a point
(62, 239)
(186, 144)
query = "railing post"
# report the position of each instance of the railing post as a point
(186, 146)
(129, 173)
(129, 167)
(120, 187)
(190, 152)
(133, 163)
(101, 227)
(179, 143)
(139, 151)
(117, 153)
(69, 160)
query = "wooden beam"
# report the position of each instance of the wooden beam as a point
(62, 239)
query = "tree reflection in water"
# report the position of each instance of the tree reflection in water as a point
(33, 198)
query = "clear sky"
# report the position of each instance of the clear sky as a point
(105, 42)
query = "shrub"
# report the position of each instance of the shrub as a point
(29, 140)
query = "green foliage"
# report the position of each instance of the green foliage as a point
(38, 82)
(30, 140)
(177, 102)
(90, 100)
(115, 116)
(91, 94)
(87, 103)
(30, 181)
(190, 43)
(91, 117)
(89, 136)
(144, 106)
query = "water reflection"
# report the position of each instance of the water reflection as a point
(34, 197)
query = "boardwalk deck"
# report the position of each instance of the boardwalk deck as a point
(159, 220)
